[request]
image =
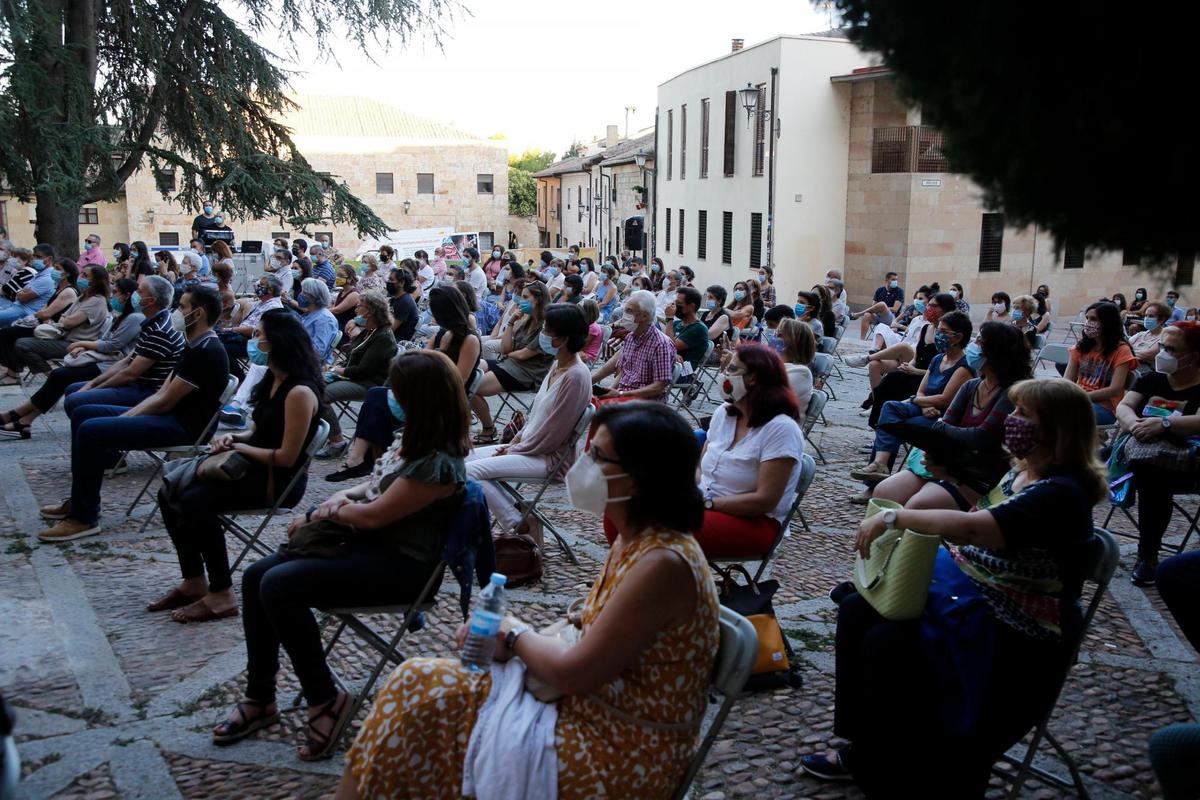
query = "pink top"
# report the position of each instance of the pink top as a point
(556, 409)
(493, 267)
(94, 257)
(592, 348)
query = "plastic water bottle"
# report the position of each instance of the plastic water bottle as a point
(480, 646)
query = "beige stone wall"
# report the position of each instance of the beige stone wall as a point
(113, 226)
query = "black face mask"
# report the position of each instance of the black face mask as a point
(393, 288)
(296, 252)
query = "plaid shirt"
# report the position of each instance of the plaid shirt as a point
(645, 359)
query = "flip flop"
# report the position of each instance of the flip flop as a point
(172, 600)
(236, 731)
(205, 614)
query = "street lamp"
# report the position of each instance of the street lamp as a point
(640, 158)
(407, 205)
(750, 102)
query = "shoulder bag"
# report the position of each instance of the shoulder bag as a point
(776, 665)
(895, 579)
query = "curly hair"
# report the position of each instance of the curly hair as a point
(377, 308)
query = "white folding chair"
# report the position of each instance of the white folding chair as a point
(735, 658)
(686, 395)
(1101, 559)
(1057, 354)
(252, 541)
(161, 455)
(512, 485)
(816, 407)
(822, 370)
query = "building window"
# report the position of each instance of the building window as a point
(1073, 256)
(612, 185)
(424, 183)
(168, 240)
(4, 214)
(760, 133)
(704, 138)
(487, 239)
(991, 241)
(682, 152)
(164, 179)
(281, 235)
(727, 237)
(755, 241)
(911, 148)
(681, 225)
(1185, 268)
(702, 235)
(668, 230)
(89, 216)
(484, 183)
(385, 183)
(670, 142)
(730, 128)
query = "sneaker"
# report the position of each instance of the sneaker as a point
(232, 415)
(69, 529)
(234, 424)
(59, 511)
(827, 769)
(1144, 572)
(333, 449)
(856, 361)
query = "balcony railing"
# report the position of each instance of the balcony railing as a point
(909, 148)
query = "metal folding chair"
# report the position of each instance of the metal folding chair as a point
(822, 370)
(1102, 558)
(228, 520)
(1057, 354)
(1192, 518)
(735, 659)
(512, 485)
(161, 455)
(816, 407)
(466, 550)
(686, 395)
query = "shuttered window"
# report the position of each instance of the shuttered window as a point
(991, 241)
(680, 229)
(682, 153)
(668, 230)
(755, 241)
(384, 183)
(730, 127)
(727, 237)
(704, 138)
(670, 142)
(1185, 269)
(1073, 255)
(702, 235)
(760, 132)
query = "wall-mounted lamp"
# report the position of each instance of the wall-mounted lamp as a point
(750, 102)
(407, 206)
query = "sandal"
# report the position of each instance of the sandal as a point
(320, 746)
(16, 430)
(190, 613)
(871, 472)
(483, 437)
(231, 731)
(172, 600)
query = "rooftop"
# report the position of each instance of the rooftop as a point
(573, 164)
(834, 35)
(332, 116)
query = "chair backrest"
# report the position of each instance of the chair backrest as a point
(105, 327)
(333, 346)
(318, 440)
(808, 472)
(822, 366)
(735, 658)
(230, 388)
(1057, 353)
(227, 393)
(828, 344)
(816, 405)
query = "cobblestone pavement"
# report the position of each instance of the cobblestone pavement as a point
(115, 702)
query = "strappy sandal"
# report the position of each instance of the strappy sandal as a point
(235, 731)
(486, 438)
(320, 746)
(16, 430)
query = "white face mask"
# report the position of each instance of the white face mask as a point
(628, 321)
(998, 308)
(587, 486)
(733, 388)
(1166, 363)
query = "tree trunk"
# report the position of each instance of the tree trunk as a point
(57, 225)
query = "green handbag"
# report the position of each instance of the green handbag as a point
(895, 579)
(916, 464)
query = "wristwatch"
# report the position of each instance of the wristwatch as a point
(889, 517)
(510, 641)
(1166, 423)
(708, 504)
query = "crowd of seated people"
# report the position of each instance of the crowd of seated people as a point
(423, 346)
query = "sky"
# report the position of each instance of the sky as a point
(546, 72)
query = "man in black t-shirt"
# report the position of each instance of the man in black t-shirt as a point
(204, 221)
(404, 309)
(177, 414)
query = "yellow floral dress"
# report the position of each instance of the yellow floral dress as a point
(415, 739)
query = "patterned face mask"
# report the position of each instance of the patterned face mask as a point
(1019, 435)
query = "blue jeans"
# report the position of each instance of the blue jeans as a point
(897, 411)
(11, 314)
(127, 396)
(1103, 415)
(1177, 579)
(98, 435)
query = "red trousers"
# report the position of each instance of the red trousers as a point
(726, 536)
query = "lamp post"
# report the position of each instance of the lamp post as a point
(750, 97)
(640, 158)
(407, 205)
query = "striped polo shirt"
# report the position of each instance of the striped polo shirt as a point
(162, 344)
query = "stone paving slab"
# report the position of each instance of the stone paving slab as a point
(116, 702)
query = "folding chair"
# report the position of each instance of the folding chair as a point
(179, 451)
(735, 658)
(1057, 354)
(822, 370)
(512, 485)
(808, 471)
(838, 332)
(466, 549)
(228, 520)
(512, 402)
(1102, 559)
(816, 407)
(686, 394)
(1193, 524)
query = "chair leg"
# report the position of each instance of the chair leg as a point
(146, 487)
(803, 521)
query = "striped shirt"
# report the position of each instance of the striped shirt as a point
(324, 271)
(162, 344)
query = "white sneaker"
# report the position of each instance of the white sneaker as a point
(856, 361)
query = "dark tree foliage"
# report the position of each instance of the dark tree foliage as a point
(1068, 114)
(93, 90)
(576, 149)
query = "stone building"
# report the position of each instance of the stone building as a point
(413, 172)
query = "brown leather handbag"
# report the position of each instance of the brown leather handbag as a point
(518, 557)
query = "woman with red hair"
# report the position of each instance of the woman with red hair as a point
(751, 460)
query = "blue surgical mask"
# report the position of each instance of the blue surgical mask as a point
(941, 340)
(801, 309)
(894, 284)
(552, 272)
(975, 359)
(55, 275)
(547, 344)
(219, 220)
(775, 341)
(655, 267)
(38, 264)
(208, 209)
(296, 274)
(136, 299)
(1150, 323)
(255, 355)
(82, 284)
(919, 305)
(526, 306)
(87, 246)
(1171, 302)
(360, 321)
(116, 255)
(710, 304)
(395, 407)
(739, 295)
(303, 301)
(116, 305)
(1017, 315)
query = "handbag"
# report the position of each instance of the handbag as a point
(49, 330)
(915, 462)
(776, 665)
(227, 466)
(322, 538)
(1163, 453)
(895, 579)
(513, 427)
(85, 357)
(518, 557)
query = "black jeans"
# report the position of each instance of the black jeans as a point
(195, 531)
(57, 382)
(8, 341)
(1155, 488)
(279, 593)
(888, 703)
(1178, 579)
